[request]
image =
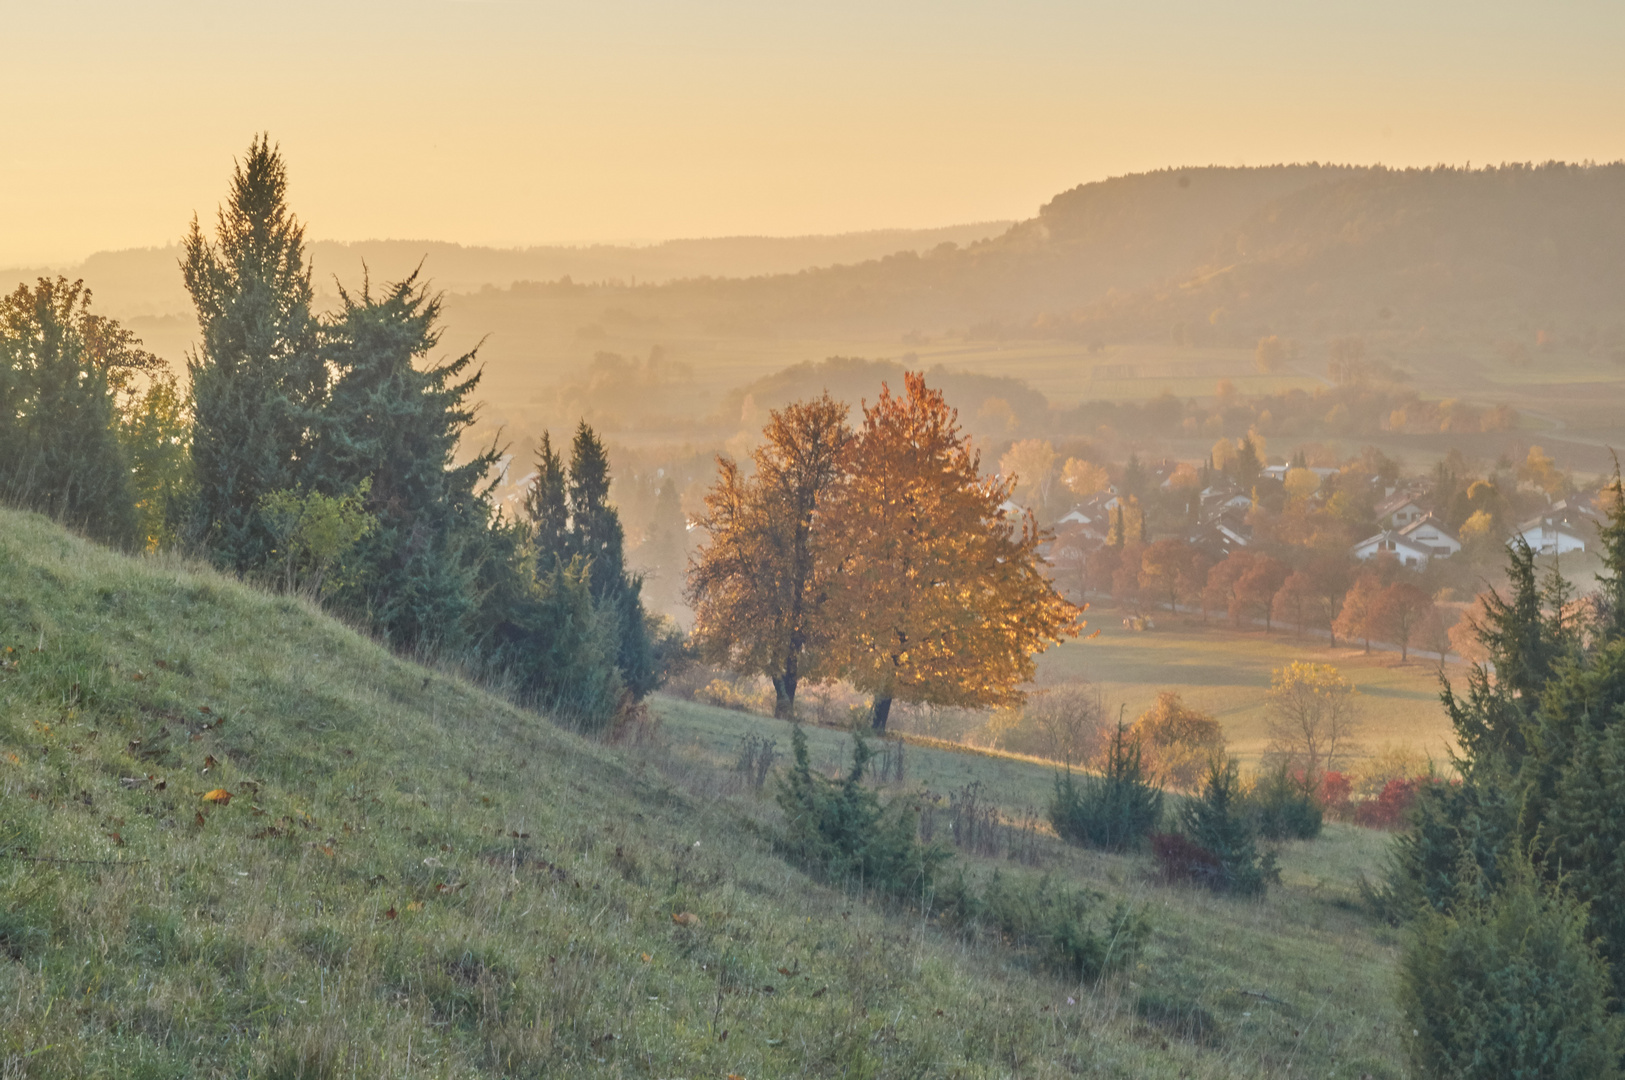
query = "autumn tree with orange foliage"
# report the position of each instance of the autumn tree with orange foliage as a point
(758, 585)
(941, 597)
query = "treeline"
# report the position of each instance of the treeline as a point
(1511, 877)
(320, 454)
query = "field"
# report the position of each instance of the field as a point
(413, 878)
(1226, 672)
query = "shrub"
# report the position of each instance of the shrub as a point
(1333, 796)
(838, 828)
(1115, 810)
(1391, 808)
(1060, 925)
(1177, 741)
(1509, 987)
(1179, 860)
(1282, 807)
(1216, 822)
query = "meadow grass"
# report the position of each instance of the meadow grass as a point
(413, 878)
(1227, 672)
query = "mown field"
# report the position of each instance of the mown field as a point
(413, 878)
(1227, 672)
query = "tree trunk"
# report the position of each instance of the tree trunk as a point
(882, 713)
(784, 696)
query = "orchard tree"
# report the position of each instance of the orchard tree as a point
(759, 584)
(941, 597)
(257, 374)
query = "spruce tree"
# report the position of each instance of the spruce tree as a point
(394, 420)
(1217, 822)
(59, 447)
(257, 374)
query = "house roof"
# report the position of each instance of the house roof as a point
(1398, 540)
(1429, 521)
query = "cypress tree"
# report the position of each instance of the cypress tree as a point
(596, 535)
(59, 447)
(257, 374)
(547, 508)
(395, 420)
(1611, 581)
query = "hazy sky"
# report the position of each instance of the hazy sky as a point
(521, 121)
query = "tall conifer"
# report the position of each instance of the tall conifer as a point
(395, 419)
(257, 373)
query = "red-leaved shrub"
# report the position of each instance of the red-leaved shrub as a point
(1333, 796)
(1387, 810)
(1178, 859)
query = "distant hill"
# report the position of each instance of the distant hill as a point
(1222, 255)
(147, 281)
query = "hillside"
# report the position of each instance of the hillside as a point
(413, 878)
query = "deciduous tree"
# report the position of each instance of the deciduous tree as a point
(760, 582)
(941, 597)
(1401, 613)
(1313, 718)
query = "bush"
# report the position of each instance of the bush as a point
(839, 829)
(1391, 808)
(1509, 988)
(1282, 808)
(1216, 822)
(1060, 925)
(1179, 860)
(1115, 810)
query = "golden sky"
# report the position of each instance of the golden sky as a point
(515, 122)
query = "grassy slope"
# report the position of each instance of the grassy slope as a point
(415, 879)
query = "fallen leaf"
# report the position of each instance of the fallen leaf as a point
(138, 677)
(416, 905)
(205, 710)
(686, 918)
(116, 838)
(218, 795)
(390, 914)
(209, 762)
(784, 971)
(327, 849)
(200, 819)
(647, 958)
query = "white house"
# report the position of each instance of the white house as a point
(1388, 542)
(1550, 535)
(1399, 511)
(1435, 537)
